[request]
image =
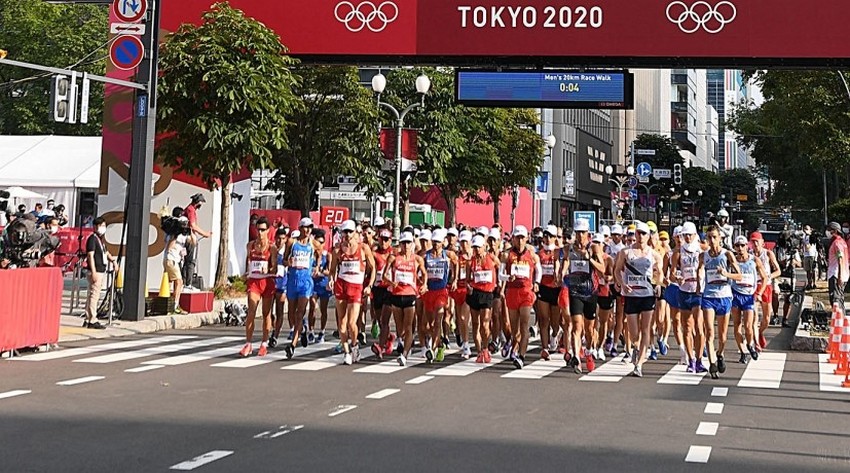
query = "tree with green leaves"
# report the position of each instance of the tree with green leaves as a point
(224, 98)
(336, 136)
(63, 36)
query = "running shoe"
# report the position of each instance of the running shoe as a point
(638, 372)
(361, 338)
(401, 360)
(591, 353)
(376, 330)
(263, 351)
(774, 320)
(613, 352)
(692, 366)
(272, 341)
(663, 348)
(712, 369)
(653, 355)
(441, 354)
(338, 349)
(321, 338)
(591, 365)
(336, 334)
(246, 350)
(506, 349)
(744, 359)
(399, 347)
(355, 354)
(487, 357)
(445, 340)
(705, 352)
(346, 359)
(753, 352)
(518, 362)
(701, 367)
(600, 354)
(544, 354)
(635, 354)
(492, 347)
(291, 334)
(457, 338)
(721, 364)
(304, 341)
(577, 366)
(466, 353)
(429, 356)
(683, 357)
(609, 344)
(626, 357)
(762, 341)
(376, 349)
(568, 357)
(480, 357)
(311, 338)
(290, 351)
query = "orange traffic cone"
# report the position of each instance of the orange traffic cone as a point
(835, 329)
(843, 367)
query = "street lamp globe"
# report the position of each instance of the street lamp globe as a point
(630, 170)
(686, 193)
(609, 169)
(423, 84)
(699, 193)
(379, 83)
(551, 141)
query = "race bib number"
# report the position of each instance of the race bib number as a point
(404, 277)
(689, 274)
(713, 276)
(436, 272)
(748, 280)
(259, 267)
(483, 277)
(521, 271)
(301, 261)
(548, 269)
(462, 273)
(636, 280)
(579, 266)
(281, 270)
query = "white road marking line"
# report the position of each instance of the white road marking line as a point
(611, 372)
(151, 351)
(707, 428)
(279, 354)
(194, 357)
(713, 408)
(679, 375)
(383, 393)
(142, 369)
(720, 392)
(74, 382)
(341, 409)
(54, 355)
(765, 373)
(323, 363)
(698, 454)
(18, 392)
(391, 366)
(829, 381)
(468, 367)
(537, 370)
(419, 379)
(284, 429)
(202, 460)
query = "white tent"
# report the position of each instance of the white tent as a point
(55, 166)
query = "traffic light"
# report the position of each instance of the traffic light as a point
(60, 97)
(677, 174)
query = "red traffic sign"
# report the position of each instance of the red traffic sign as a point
(130, 11)
(126, 52)
(333, 216)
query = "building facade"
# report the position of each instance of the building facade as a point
(727, 88)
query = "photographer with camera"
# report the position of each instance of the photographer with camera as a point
(191, 213)
(98, 259)
(177, 234)
(838, 270)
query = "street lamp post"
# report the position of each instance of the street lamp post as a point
(551, 141)
(620, 181)
(379, 84)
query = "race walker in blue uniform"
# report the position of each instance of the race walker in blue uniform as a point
(744, 295)
(302, 259)
(321, 296)
(720, 267)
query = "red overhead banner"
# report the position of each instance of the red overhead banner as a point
(711, 31)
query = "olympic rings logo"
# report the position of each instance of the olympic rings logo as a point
(712, 19)
(366, 15)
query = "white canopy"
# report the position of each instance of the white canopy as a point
(17, 192)
(50, 161)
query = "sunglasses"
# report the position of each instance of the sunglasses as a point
(262, 229)
(348, 232)
(740, 245)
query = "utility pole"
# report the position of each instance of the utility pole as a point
(141, 170)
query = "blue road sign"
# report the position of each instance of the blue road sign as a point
(543, 182)
(633, 194)
(633, 181)
(590, 216)
(126, 52)
(643, 170)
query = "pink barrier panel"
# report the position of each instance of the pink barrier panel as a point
(32, 303)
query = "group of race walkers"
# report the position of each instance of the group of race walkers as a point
(617, 293)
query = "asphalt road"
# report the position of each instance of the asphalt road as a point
(264, 418)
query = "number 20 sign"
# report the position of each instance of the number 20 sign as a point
(333, 216)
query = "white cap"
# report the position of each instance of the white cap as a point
(494, 233)
(405, 237)
(347, 226)
(520, 231)
(722, 213)
(741, 240)
(598, 238)
(605, 230)
(582, 225)
(379, 222)
(617, 229)
(465, 235)
(452, 231)
(642, 227)
(295, 234)
(438, 235)
(483, 231)
(425, 235)
(416, 232)
(552, 230)
(689, 228)
(478, 241)
(677, 231)
(305, 222)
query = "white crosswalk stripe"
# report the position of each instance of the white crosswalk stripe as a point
(828, 380)
(71, 352)
(538, 370)
(195, 357)
(391, 366)
(611, 372)
(679, 375)
(324, 363)
(766, 373)
(160, 350)
(280, 354)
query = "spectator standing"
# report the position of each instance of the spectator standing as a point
(191, 213)
(253, 234)
(52, 225)
(838, 271)
(175, 251)
(810, 256)
(98, 259)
